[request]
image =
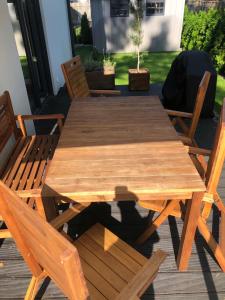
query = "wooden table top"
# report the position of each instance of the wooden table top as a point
(120, 148)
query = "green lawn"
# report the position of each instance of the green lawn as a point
(24, 64)
(158, 63)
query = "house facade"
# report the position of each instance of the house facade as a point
(78, 8)
(162, 25)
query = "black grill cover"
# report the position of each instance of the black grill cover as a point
(181, 85)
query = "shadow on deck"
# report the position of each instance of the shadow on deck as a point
(203, 280)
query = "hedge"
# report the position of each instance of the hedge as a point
(85, 32)
(205, 30)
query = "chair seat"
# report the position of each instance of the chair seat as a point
(109, 264)
(26, 167)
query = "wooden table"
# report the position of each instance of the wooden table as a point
(125, 148)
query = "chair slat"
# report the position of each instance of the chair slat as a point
(95, 293)
(26, 162)
(31, 169)
(45, 161)
(9, 164)
(97, 234)
(98, 281)
(7, 120)
(202, 90)
(75, 78)
(106, 272)
(18, 160)
(118, 267)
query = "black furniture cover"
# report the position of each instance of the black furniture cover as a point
(181, 85)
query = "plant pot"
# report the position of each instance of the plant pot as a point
(139, 81)
(101, 79)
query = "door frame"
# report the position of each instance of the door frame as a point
(30, 20)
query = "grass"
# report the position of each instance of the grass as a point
(158, 63)
(220, 92)
(24, 64)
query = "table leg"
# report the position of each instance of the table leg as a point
(189, 229)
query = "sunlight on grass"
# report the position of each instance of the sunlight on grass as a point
(24, 64)
(158, 63)
(220, 92)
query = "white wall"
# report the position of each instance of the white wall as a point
(16, 30)
(57, 35)
(11, 75)
(161, 33)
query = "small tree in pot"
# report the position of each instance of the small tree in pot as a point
(138, 78)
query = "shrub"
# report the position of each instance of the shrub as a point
(92, 65)
(205, 30)
(108, 61)
(77, 37)
(85, 33)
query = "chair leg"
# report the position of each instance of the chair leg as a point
(205, 232)
(157, 222)
(46, 207)
(32, 289)
(206, 210)
(222, 233)
(221, 208)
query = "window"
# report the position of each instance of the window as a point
(119, 8)
(155, 7)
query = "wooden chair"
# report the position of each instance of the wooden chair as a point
(177, 116)
(25, 169)
(98, 265)
(76, 81)
(210, 172)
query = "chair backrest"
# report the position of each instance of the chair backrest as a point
(42, 246)
(217, 157)
(75, 78)
(7, 120)
(202, 89)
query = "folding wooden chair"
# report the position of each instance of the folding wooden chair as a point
(177, 116)
(27, 163)
(210, 172)
(76, 81)
(98, 265)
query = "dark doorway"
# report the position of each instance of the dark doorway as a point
(35, 61)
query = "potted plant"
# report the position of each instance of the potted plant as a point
(139, 77)
(109, 65)
(100, 74)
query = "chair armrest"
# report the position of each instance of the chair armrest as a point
(143, 278)
(40, 117)
(22, 118)
(198, 151)
(105, 92)
(174, 113)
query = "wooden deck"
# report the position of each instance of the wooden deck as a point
(203, 280)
